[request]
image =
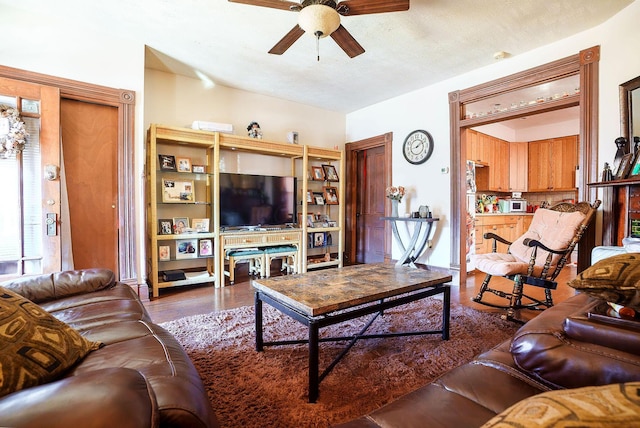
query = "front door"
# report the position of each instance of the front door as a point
(370, 202)
(30, 240)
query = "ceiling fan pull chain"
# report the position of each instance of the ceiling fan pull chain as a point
(318, 34)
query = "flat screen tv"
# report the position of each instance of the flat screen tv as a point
(256, 200)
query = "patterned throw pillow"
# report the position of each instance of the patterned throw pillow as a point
(614, 279)
(615, 405)
(35, 347)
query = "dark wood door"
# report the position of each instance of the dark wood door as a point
(370, 199)
(90, 148)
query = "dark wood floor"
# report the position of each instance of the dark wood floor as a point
(184, 301)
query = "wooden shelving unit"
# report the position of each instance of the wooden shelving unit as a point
(204, 147)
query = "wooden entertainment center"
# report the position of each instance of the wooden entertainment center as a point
(183, 183)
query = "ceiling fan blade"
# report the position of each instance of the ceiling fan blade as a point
(286, 42)
(275, 4)
(363, 7)
(345, 40)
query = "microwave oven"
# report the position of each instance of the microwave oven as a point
(517, 205)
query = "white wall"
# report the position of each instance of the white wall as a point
(428, 108)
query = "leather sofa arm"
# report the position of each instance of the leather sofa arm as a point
(117, 397)
(42, 288)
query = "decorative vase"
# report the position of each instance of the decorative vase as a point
(394, 208)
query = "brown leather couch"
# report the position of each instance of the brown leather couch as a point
(560, 348)
(141, 377)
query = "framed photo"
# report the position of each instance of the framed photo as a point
(184, 165)
(186, 249)
(318, 198)
(199, 169)
(332, 223)
(206, 247)
(317, 173)
(200, 224)
(624, 167)
(309, 220)
(330, 173)
(165, 226)
(318, 239)
(331, 195)
(180, 224)
(177, 191)
(310, 199)
(167, 162)
(635, 169)
(164, 253)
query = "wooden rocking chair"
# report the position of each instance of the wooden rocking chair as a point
(536, 258)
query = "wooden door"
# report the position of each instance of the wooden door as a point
(370, 202)
(90, 147)
(44, 126)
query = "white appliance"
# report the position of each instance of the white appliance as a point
(517, 205)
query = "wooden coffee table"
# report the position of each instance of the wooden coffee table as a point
(322, 298)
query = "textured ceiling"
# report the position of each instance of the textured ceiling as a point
(405, 51)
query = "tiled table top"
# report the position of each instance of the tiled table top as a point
(323, 291)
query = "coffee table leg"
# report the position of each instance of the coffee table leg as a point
(258, 310)
(446, 309)
(314, 361)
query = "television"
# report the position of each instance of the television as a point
(256, 200)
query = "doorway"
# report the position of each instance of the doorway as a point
(368, 165)
(585, 66)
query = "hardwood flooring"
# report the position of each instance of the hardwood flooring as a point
(185, 301)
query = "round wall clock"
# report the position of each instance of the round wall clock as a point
(417, 147)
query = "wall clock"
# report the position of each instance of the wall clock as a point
(417, 147)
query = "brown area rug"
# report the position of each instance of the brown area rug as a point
(269, 389)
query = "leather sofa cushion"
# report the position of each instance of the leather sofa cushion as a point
(616, 405)
(544, 351)
(116, 397)
(35, 347)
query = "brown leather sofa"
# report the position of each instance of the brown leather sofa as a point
(560, 348)
(141, 377)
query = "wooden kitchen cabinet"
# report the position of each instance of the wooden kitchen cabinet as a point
(494, 173)
(506, 226)
(518, 166)
(478, 147)
(552, 164)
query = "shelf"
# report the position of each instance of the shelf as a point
(616, 183)
(185, 236)
(193, 278)
(317, 265)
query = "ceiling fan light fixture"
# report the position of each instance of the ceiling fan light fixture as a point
(319, 20)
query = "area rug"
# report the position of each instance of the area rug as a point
(269, 389)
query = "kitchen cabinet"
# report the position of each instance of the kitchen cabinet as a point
(493, 154)
(478, 147)
(518, 166)
(552, 164)
(507, 226)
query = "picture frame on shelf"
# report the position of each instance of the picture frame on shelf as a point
(310, 220)
(330, 173)
(164, 253)
(205, 248)
(318, 198)
(180, 225)
(318, 239)
(167, 162)
(186, 249)
(200, 225)
(317, 173)
(635, 168)
(624, 167)
(332, 223)
(177, 191)
(184, 164)
(310, 199)
(330, 195)
(198, 169)
(165, 226)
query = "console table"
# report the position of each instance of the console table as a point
(422, 228)
(245, 238)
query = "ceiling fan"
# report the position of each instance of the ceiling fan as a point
(322, 18)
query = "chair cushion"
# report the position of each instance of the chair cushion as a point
(614, 405)
(282, 249)
(35, 347)
(499, 264)
(554, 229)
(614, 279)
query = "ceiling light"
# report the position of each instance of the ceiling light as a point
(500, 55)
(319, 19)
